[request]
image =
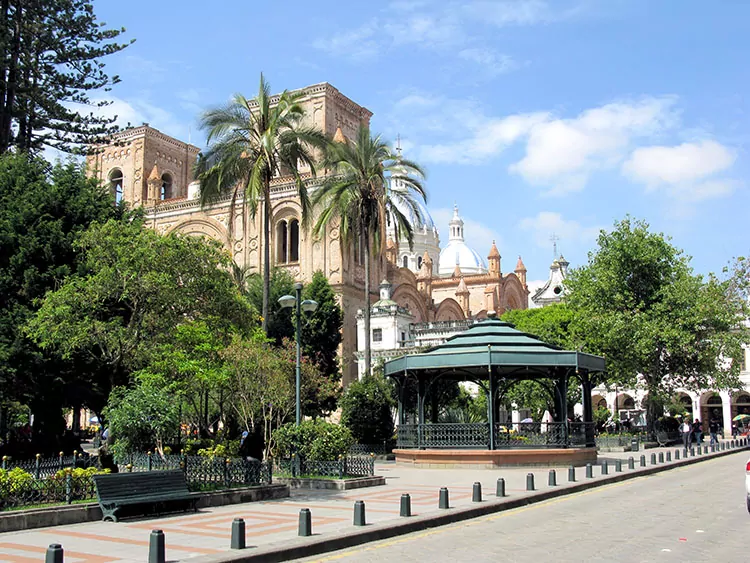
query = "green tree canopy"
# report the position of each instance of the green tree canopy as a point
(367, 410)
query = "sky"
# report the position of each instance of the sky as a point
(537, 118)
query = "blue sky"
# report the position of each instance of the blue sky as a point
(534, 117)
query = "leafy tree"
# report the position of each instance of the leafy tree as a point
(50, 61)
(367, 410)
(251, 142)
(550, 324)
(638, 302)
(43, 212)
(321, 331)
(141, 418)
(135, 287)
(279, 322)
(368, 183)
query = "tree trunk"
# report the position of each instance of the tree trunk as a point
(653, 405)
(368, 351)
(10, 93)
(266, 251)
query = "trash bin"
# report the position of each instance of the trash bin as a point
(634, 445)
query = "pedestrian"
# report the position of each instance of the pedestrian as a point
(686, 430)
(698, 431)
(713, 428)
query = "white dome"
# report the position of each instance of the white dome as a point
(468, 259)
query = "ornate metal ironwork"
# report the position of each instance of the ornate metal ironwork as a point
(349, 466)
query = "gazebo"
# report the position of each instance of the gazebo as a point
(496, 356)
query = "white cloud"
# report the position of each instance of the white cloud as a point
(478, 235)
(490, 62)
(426, 31)
(569, 232)
(687, 171)
(357, 44)
(562, 153)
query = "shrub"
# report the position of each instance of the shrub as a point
(366, 410)
(313, 440)
(227, 449)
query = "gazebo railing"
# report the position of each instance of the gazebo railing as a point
(507, 436)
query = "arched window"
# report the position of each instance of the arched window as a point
(166, 187)
(115, 184)
(287, 241)
(405, 261)
(419, 262)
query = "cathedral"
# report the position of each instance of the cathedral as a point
(147, 168)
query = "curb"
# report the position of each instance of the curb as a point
(304, 547)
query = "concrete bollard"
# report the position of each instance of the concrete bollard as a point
(700, 449)
(692, 451)
(571, 474)
(552, 479)
(723, 446)
(238, 534)
(156, 547)
(618, 466)
(529, 481)
(677, 454)
(305, 523)
(405, 505)
(605, 467)
(643, 461)
(653, 459)
(359, 513)
(54, 553)
(669, 456)
(631, 463)
(500, 491)
(476, 492)
(661, 457)
(589, 471)
(443, 499)
(685, 453)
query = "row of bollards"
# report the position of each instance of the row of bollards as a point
(157, 550)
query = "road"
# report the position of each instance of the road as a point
(696, 513)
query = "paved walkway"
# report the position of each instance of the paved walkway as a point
(208, 532)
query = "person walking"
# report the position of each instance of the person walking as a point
(686, 431)
(713, 429)
(698, 431)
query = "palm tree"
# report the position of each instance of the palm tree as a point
(368, 187)
(250, 143)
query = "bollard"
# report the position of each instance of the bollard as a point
(631, 463)
(700, 449)
(589, 471)
(552, 479)
(476, 492)
(359, 513)
(405, 505)
(661, 457)
(529, 481)
(618, 466)
(156, 549)
(685, 453)
(500, 491)
(605, 467)
(731, 444)
(723, 446)
(443, 499)
(238, 534)
(713, 448)
(692, 451)
(677, 454)
(54, 553)
(669, 456)
(653, 459)
(571, 474)
(305, 523)
(643, 461)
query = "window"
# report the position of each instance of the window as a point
(287, 241)
(377, 334)
(166, 187)
(115, 184)
(405, 261)
(419, 263)
(403, 336)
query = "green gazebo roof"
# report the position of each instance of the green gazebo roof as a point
(498, 344)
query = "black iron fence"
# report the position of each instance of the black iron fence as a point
(345, 467)
(506, 436)
(41, 467)
(367, 449)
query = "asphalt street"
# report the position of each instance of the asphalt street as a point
(696, 513)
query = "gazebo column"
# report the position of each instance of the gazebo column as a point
(491, 408)
(420, 410)
(561, 406)
(588, 411)
(401, 384)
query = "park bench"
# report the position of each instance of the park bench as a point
(664, 438)
(143, 492)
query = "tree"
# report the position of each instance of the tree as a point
(367, 410)
(50, 57)
(368, 184)
(251, 142)
(43, 212)
(638, 302)
(135, 287)
(321, 331)
(279, 323)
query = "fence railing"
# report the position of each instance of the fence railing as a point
(506, 436)
(367, 449)
(41, 467)
(349, 466)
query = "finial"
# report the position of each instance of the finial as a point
(554, 238)
(398, 144)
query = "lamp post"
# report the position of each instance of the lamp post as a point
(308, 306)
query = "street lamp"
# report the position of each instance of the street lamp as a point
(308, 306)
